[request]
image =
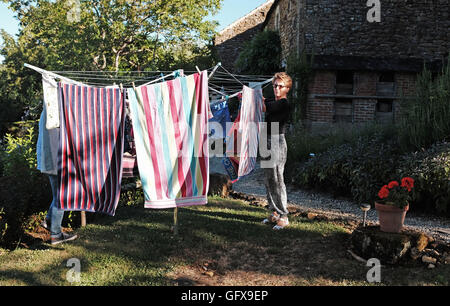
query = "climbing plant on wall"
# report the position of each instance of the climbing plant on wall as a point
(300, 68)
(261, 55)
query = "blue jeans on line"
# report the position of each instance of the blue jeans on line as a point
(54, 214)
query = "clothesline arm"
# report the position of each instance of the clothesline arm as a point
(159, 79)
(214, 70)
(56, 76)
(237, 93)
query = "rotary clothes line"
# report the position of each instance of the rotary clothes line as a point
(88, 132)
(53, 75)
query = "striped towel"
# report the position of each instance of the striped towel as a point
(91, 148)
(170, 124)
(129, 166)
(243, 138)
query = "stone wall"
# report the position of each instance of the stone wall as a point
(229, 41)
(288, 26)
(339, 27)
(341, 37)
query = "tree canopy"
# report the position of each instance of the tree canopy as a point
(86, 35)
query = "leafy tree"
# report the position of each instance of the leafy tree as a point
(103, 35)
(18, 87)
(113, 35)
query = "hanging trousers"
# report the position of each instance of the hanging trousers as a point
(273, 176)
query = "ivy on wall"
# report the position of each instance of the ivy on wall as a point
(300, 68)
(261, 55)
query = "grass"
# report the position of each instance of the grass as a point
(222, 243)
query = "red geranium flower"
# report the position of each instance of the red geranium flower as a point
(395, 194)
(408, 183)
(392, 184)
(384, 192)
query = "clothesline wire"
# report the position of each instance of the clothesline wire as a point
(223, 82)
(222, 76)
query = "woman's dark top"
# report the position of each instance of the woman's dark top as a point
(277, 111)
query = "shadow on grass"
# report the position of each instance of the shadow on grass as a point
(138, 247)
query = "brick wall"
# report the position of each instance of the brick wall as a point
(364, 110)
(365, 83)
(405, 86)
(321, 111)
(405, 83)
(323, 82)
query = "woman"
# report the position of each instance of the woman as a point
(277, 112)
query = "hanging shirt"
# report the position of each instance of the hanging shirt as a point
(91, 150)
(171, 136)
(50, 89)
(47, 146)
(243, 138)
(221, 115)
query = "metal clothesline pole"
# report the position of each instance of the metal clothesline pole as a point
(42, 71)
(161, 78)
(214, 70)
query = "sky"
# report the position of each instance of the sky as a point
(231, 11)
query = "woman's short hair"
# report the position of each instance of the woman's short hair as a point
(283, 76)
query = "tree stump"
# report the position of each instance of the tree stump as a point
(219, 184)
(389, 248)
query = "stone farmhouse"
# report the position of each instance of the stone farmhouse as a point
(367, 53)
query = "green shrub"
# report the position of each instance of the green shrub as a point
(24, 191)
(19, 153)
(425, 118)
(431, 172)
(302, 143)
(356, 169)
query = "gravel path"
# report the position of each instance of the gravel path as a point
(253, 184)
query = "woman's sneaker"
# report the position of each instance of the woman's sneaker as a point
(282, 223)
(63, 237)
(273, 218)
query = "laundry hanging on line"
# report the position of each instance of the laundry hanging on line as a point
(50, 90)
(47, 145)
(218, 123)
(49, 78)
(91, 148)
(243, 138)
(170, 130)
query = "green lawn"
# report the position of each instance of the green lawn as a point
(222, 243)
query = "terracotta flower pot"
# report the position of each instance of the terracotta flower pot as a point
(391, 217)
